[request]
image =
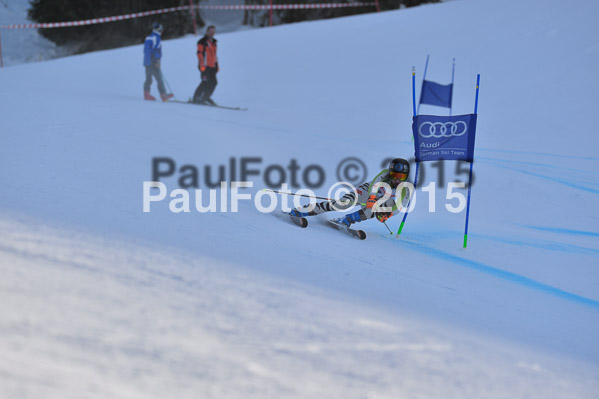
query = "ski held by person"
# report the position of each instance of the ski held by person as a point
(208, 66)
(152, 57)
(393, 177)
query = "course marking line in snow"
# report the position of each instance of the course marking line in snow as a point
(553, 165)
(564, 231)
(554, 179)
(224, 7)
(502, 274)
(544, 154)
(542, 244)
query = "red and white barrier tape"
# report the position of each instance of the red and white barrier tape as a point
(251, 7)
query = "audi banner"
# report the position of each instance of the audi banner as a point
(444, 137)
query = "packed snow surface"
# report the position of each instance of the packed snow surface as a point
(99, 299)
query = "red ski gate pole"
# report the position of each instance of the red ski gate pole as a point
(192, 11)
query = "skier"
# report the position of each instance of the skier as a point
(398, 172)
(152, 56)
(208, 66)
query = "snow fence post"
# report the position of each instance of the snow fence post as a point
(470, 175)
(1, 60)
(193, 18)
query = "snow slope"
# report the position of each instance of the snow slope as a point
(100, 299)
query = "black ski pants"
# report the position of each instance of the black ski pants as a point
(207, 86)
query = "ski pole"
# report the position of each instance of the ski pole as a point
(166, 81)
(390, 232)
(300, 195)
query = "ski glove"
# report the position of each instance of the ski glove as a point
(383, 216)
(371, 201)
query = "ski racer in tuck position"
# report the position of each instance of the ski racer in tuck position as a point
(397, 173)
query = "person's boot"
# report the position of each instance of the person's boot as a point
(351, 218)
(166, 96)
(210, 101)
(346, 221)
(298, 214)
(148, 96)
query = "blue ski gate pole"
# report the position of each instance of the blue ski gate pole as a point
(470, 174)
(405, 215)
(417, 112)
(414, 90)
(476, 100)
(452, 85)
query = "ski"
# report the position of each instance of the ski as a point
(360, 234)
(208, 105)
(224, 107)
(298, 221)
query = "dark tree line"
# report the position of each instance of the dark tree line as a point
(112, 34)
(261, 18)
(133, 31)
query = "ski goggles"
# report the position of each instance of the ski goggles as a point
(398, 175)
(399, 171)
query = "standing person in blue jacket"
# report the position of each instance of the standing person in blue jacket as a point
(152, 56)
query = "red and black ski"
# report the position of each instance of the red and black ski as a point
(360, 234)
(296, 220)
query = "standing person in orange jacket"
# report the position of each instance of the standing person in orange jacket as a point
(208, 66)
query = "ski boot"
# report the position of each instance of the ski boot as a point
(298, 214)
(350, 218)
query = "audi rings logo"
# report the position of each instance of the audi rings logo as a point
(442, 129)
